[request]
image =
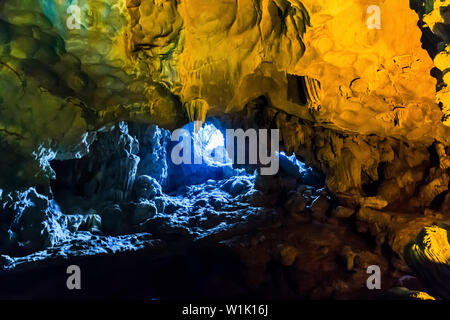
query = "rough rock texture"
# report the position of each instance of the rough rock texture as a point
(433, 16)
(30, 222)
(279, 232)
(108, 172)
(83, 113)
(153, 143)
(429, 256)
(149, 61)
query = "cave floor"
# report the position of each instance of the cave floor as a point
(245, 251)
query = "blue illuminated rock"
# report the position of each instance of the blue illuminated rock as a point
(114, 220)
(30, 222)
(143, 212)
(147, 188)
(203, 165)
(296, 169)
(238, 185)
(153, 152)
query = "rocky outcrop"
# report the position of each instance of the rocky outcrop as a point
(148, 61)
(434, 24)
(106, 173)
(153, 148)
(429, 256)
(86, 103)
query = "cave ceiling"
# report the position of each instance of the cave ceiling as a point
(358, 89)
(169, 61)
(65, 73)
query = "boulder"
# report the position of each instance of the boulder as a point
(113, 220)
(429, 256)
(320, 206)
(143, 211)
(296, 203)
(288, 254)
(343, 212)
(33, 222)
(146, 188)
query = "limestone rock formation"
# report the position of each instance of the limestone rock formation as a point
(433, 15)
(166, 63)
(429, 255)
(90, 91)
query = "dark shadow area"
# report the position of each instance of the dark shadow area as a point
(296, 89)
(193, 272)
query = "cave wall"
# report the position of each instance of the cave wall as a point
(434, 21)
(359, 104)
(369, 108)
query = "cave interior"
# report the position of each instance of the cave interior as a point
(114, 122)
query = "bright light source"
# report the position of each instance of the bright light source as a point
(210, 142)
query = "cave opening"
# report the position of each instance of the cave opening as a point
(90, 176)
(123, 197)
(132, 180)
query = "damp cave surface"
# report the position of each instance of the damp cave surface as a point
(125, 211)
(114, 117)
